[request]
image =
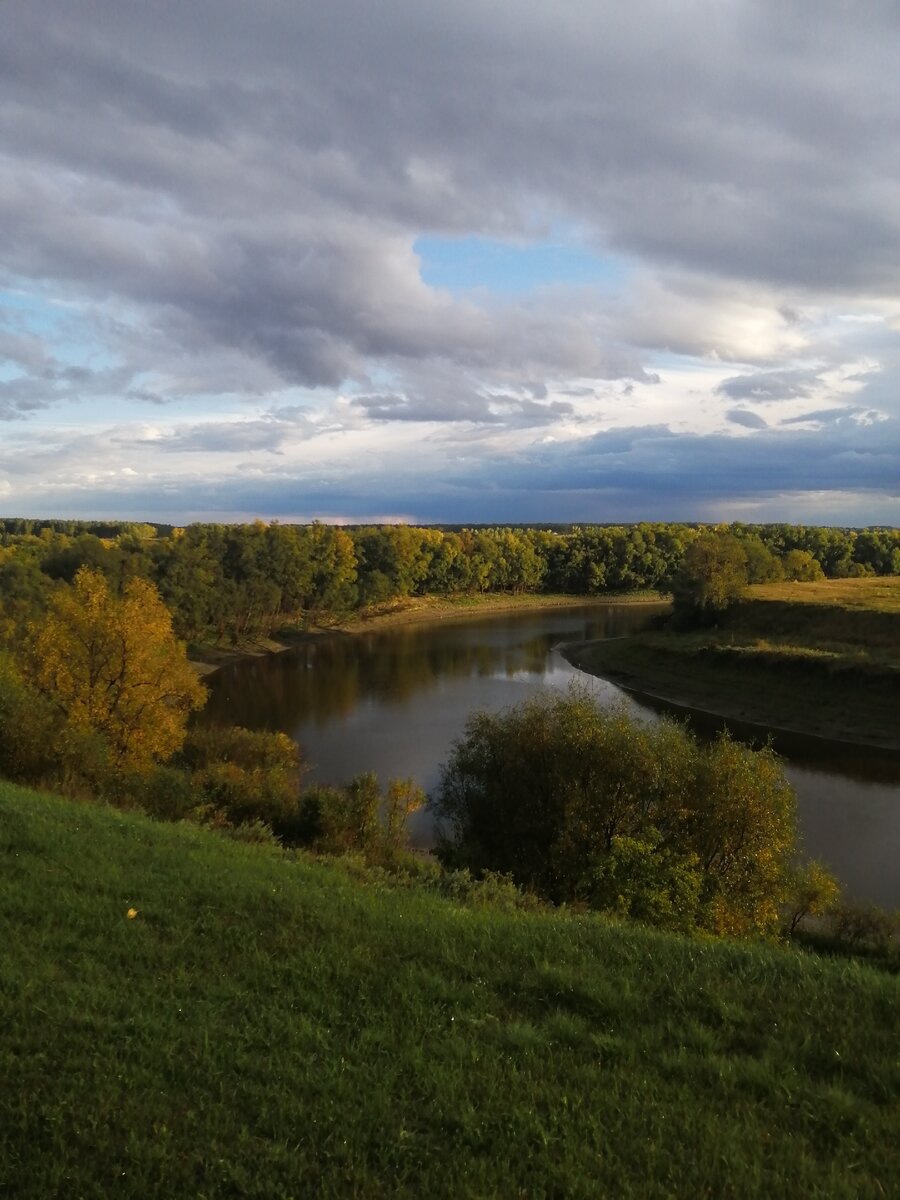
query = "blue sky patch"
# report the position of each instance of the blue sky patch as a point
(478, 263)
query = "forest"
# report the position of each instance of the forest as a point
(229, 583)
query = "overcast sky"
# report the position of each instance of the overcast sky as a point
(474, 261)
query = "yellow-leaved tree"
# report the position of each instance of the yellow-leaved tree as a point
(114, 669)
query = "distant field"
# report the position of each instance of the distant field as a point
(186, 1016)
(878, 593)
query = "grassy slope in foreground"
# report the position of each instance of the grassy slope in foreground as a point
(270, 1027)
(819, 658)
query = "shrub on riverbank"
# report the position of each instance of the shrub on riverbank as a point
(587, 805)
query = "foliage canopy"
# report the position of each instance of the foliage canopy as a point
(112, 667)
(589, 806)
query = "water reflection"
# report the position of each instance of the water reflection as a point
(326, 680)
(393, 702)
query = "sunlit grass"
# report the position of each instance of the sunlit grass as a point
(875, 593)
(182, 1015)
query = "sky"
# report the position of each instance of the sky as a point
(490, 261)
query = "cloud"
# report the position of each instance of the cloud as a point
(480, 408)
(771, 385)
(749, 420)
(222, 201)
(269, 432)
(825, 416)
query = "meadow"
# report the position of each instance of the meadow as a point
(872, 593)
(183, 1014)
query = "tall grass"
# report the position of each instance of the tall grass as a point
(269, 1026)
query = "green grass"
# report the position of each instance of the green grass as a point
(269, 1026)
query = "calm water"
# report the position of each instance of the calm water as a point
(393, 702)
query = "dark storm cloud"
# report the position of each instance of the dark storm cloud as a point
(637, 474)
(645, 473)
(722, 467)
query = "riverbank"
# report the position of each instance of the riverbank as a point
(417, 610)
(821, 660)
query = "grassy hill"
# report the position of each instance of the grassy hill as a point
(269, 1026)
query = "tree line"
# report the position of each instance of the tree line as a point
(234, 582)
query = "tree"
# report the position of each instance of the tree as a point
(713, 574)
(762, 565)
(582, 804)
(801, 567)
(112, 667)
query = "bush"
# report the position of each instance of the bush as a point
(588, 806)
(644, 880)
(357, 819)
(246, 775)
(166, 793)
(492, 890)
(814, 891)
(866, 928)
(28, 730)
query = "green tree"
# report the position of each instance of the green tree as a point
(800, 566)
(713, 575)
(580, 804)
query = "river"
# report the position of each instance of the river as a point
(393, 702)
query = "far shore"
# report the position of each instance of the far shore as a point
(756, 696)
(419, 610)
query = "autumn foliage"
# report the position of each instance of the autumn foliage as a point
(114, 671)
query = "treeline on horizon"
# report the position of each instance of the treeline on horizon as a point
(234, 582)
